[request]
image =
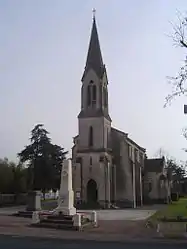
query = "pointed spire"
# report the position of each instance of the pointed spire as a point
(94, 56)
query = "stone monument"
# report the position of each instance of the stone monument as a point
(34, 201)
(33, 205)
(65, 215)
(66, 194)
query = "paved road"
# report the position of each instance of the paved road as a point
(11, 210)
(123, 214)
(115, 214)
(9, 242)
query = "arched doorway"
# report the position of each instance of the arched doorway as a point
(92, 192)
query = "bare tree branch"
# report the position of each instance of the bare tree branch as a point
(178, 83)
(184, 133)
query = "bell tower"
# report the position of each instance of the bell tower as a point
(94, 118)
(92, 145)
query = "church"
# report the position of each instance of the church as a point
(107, 164)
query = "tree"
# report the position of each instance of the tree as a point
(178, 82)
(6, 176)
(12, 177)
(161, 153)
(57, 157)
(177, 170)
(44, 160)
(178, 173)
(19, 181)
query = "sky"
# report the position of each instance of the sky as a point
(43, 48)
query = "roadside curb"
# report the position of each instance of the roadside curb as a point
(101, 239)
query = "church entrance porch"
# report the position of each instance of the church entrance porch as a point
(92, 193)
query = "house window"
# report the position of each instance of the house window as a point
(90, 136)
(90, 160)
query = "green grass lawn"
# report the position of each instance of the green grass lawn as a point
(48, 200)
(49, 204)
(178, 208)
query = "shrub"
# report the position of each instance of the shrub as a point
(174, 196)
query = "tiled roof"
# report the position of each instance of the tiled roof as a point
(128, 139)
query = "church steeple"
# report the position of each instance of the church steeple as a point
(94, 57)
(94, 90)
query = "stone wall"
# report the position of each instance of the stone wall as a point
(12, 199)
(155, 190)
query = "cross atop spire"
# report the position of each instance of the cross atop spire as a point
(94, 57)
(94, 11)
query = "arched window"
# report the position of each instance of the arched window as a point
(90, 142)
(94, 94)
(89, 95)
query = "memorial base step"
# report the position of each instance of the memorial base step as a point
(64, 222)
(24, 214)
